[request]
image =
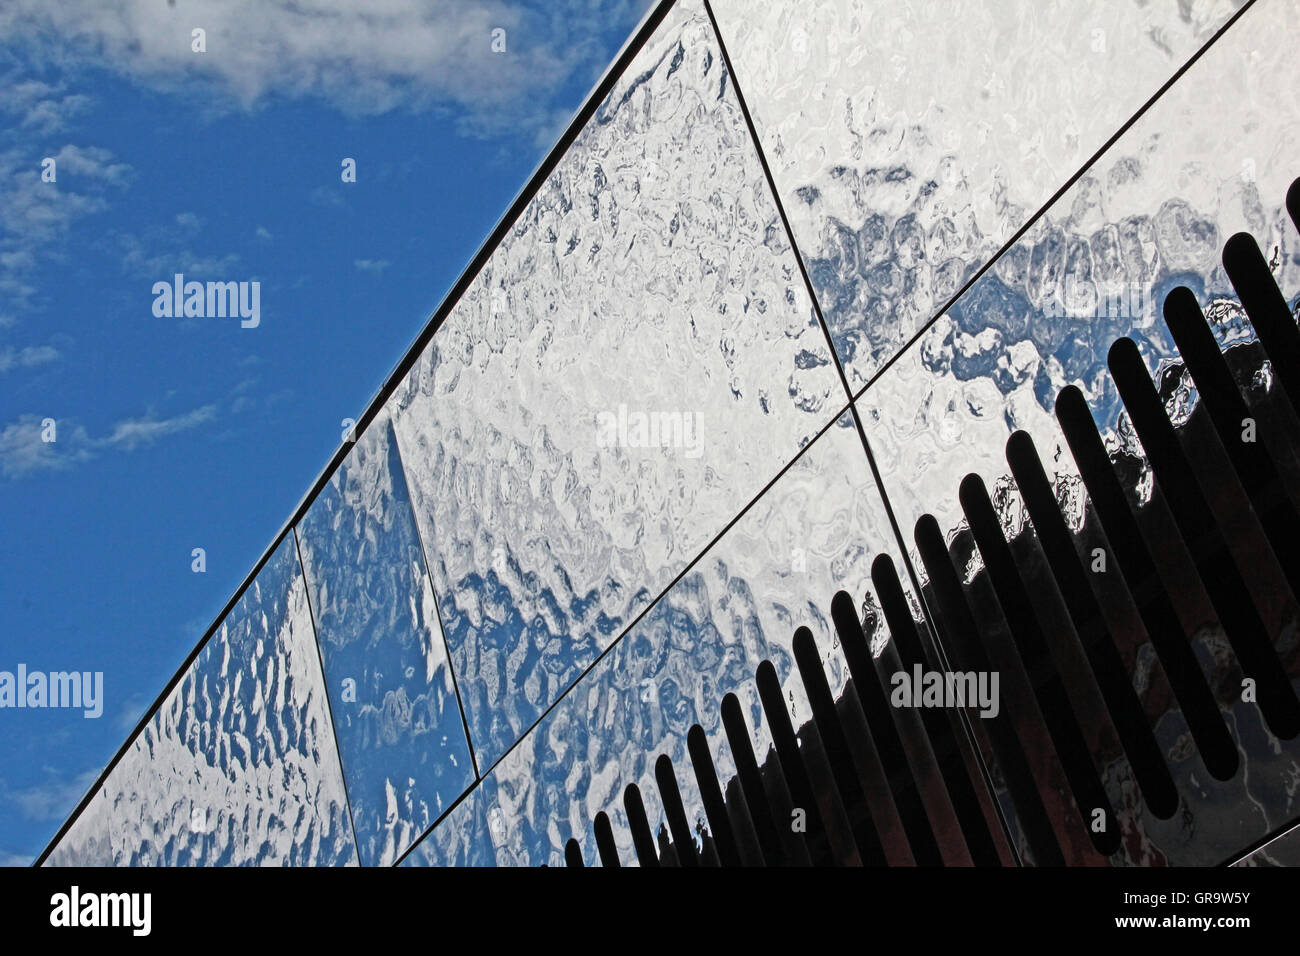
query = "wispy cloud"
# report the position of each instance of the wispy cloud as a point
(54, 799)
(364, 58)
(167, 248)
(326, 196)
(24, 450)
(36, 216)
(41, 109)
(129, 713)
(32, 355)
(131, 433)
(373, 266)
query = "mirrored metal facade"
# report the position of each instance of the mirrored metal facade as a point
(792, 279)
(239, 764)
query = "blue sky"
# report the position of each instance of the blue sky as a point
(174, 434)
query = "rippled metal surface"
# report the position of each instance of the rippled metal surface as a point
(467, 836)
(650, 276)
(910, 141)
(392, 693)
(814, 532)
(238, 767)
(1214, 156)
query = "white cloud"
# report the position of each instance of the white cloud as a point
(11, 358)
(44, 109)
(15, 859)
(54, 799)
(24, 452)
(373, 266)
(131, 433)
(35, 216)
(138, 260)
(363, 57)
(165, 250)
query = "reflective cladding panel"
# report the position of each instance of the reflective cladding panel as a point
(910, 141)
(466, 836)
(392, 694)
(238, 767)
(816, 531)
(92, 840)
(1214, 156)
(634, 362)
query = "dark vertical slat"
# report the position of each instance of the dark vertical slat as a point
(1227, 409)
(1090, 624)
(947, 752)
(605, 845)
(1293, 203)
(678, 825)
(1218, 567)
(751, 853)
(642, 838)
(573, 854)
(787, 749)
(960, 634)
(1266, 309)
(751, 782)
(843, 769)
(708, 851)
(884, 733)
(1049, 689)
(715, 808)
(1154, 604)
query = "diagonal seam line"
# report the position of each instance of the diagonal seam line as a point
(1054, 198)
(437, 605)
(329, 706)
(703, 552)
(776, 199)
(853, 408)
(812, 294)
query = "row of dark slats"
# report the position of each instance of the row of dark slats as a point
(849, 768)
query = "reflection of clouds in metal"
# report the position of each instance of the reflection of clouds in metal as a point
(649, 274)
(1153, 213)
(992, 364)
(239, 765)
(739, 605)
(903, 176)
(398, 723)
(997, 359)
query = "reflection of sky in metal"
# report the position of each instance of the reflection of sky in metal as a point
(649, 272)
(1152, 213)
(239, 765)
(652, 271)
(816, 530)
(402, 742)
(910, 143)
